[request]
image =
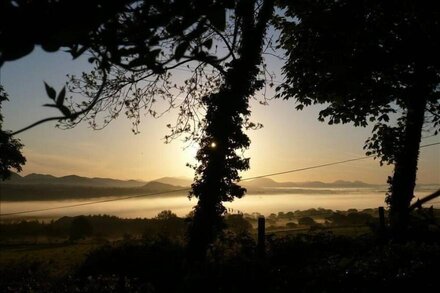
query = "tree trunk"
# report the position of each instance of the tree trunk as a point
(223, 133)
(404, 179)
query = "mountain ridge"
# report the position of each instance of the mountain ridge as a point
(76, 180)
(48, 187)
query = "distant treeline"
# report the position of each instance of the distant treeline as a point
(167, 224)
(102, 226)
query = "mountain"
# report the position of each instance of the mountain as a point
(176, 181)
(71, 180)
(260, 182)
(155, 186)
(269, 183)
(75, 180)
(47, 187)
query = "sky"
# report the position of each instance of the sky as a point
(289, 140)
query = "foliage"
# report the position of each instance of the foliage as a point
(135, 45)
(80, 227)
(359, 57)
(307, 221)
(223, 135)
(340, 219)
(10, 154)
(368, 61)
(320, 262)
(129, 33)
(237, 223)
(51, 24)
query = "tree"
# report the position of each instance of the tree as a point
(136, 47)
(369, 61)
(238, 224)
(80, 228)
(223, 136)
(113, 30)
(130, 42)
(219, 86)
(306, 221)
(10, 154)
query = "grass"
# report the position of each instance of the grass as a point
(53, 259)
(349, 231)
(59, 259)
(339, 259)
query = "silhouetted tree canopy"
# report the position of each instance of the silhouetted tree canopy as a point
(223, 135)
(51, 24)
(134, 48)
(369, 61)
(130, 33)
(10, 154)
(133, 45)
(80, 228)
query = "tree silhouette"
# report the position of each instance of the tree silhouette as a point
(370, 61)
(223, 133)
(220, 84)
(130, 42)
(53, 24)
(135, 48)
(10, 154)
(80, 228)
(128, 33)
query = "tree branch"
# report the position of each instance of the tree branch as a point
(73, 115)
(419, 202)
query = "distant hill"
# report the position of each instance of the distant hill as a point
(48, 187)
(37, 192)
(72, 180)
(176, 181)
(260, 183)
(269, 183)
(75, 180)
(155, 186)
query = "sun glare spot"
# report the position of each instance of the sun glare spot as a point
(213, 145)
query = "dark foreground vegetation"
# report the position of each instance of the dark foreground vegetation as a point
(316, 250)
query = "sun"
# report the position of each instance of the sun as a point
(213, 145)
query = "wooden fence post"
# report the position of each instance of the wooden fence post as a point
(261, 241)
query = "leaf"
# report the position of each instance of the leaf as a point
(180, 50)
(218, 19)
(61, 97)
(136, 62)
(207, 44)
(65, 111)
(154, 53)
(50, 91)
(77, 52)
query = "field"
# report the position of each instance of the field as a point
(53, 259)
(303, 254)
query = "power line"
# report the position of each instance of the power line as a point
(187, 189)
(322, 165)
(306, 168)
